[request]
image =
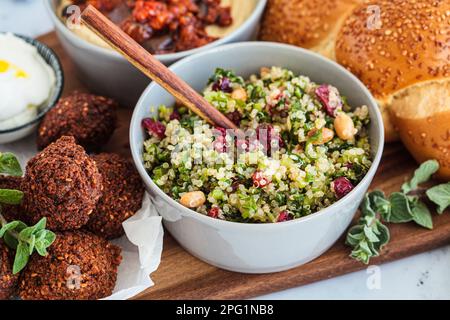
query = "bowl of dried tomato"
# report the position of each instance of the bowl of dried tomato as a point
(169, 29)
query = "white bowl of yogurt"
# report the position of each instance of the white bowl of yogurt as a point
(31, 82)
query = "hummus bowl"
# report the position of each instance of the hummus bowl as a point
(257, 248)
(106, 72)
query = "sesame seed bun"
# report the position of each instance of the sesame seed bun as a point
(310, 24)
(406, 65)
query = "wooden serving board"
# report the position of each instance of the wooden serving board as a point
(182, 276)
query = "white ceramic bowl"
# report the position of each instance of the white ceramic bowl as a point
(107, 73)
(49, 56)
(257, 248)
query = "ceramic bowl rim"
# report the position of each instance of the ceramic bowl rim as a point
(377, 119)
(59, 83)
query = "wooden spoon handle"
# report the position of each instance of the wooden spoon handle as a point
(154, 69)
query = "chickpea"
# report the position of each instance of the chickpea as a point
(239, 94)
(193, 199)
(264, 71)
(326, 136)
(344, 126)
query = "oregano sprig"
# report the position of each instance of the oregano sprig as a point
(17, 235)
(10, 165)
(369, 235)
(440, 195)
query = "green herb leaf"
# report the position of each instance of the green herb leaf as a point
(380, 204)
(10, 241)
(49, 238)
(9, 226)
(31, 243)
(13, 197)
(41, 249)
(366, 208)
(25, 234)
(400, 210)
(383, 235)
(40, 225)
(25, 240)
(369, 236)
(44, 239)
(421, 215)
(22, 256)
(421, 175)
(376, 193)
(440, 195)
(10, 165)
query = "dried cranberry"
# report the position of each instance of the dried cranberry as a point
(234, 117)
(175, 115)
(220, 131)
(235, 185)
(213, 212)
(154, 128)
(284, 216)
(330, 99)
(220, 144)
(222, 84)
(259, 180)
(242, 145)
(269, 138)
(342, 186)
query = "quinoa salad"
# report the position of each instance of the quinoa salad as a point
(303, 148)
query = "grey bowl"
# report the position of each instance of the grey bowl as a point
(257, 248)
(107, 73)
(49, 56)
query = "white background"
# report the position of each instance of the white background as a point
(424, 276)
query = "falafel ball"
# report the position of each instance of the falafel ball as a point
(63, 184)
(90, 119)
(79, 266)
(123, 192)
(12, 212)
(8, 280)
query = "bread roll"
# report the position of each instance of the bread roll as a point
(406, 65)
(310, 24)
(399, 49)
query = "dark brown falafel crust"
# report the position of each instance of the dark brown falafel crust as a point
(63, 184)
(89, 118)
(79, 266)
(11, 212)
(8, 281)
(122, 195)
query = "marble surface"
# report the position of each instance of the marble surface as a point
(424, 276)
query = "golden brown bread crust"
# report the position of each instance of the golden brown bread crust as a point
(406, 65)
(306, 23)
(421, 115)
(412, 45)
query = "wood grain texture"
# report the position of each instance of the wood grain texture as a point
(151, 67)
(181, 276)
